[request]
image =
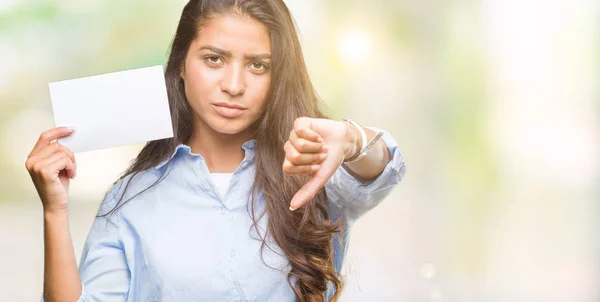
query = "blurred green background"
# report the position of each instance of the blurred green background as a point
(495, 105)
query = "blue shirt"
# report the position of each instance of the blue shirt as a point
(182, 241)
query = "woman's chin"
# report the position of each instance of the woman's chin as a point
(228, 126)
(230, 129)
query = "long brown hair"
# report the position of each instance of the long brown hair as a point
(305, 235)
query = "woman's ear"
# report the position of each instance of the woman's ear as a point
(182, 70)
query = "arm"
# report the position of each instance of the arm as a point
(356, 188)
(104, 269)
(370, 166)
(61, 278)
(317, 147)
(103, 272)
(51, 166)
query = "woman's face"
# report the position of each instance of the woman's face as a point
(227, 73)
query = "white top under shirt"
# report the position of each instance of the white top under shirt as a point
(221, 181)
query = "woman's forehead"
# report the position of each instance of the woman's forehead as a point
(236, 34)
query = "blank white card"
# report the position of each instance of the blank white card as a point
(113, 109)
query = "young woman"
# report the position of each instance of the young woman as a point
(253, 197)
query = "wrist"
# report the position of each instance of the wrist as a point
(57, 212)
(353, 140)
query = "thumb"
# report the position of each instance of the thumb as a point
(315, 183)
(303, 126)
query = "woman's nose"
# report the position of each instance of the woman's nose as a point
(233, 81)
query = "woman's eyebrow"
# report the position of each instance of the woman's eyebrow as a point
(258, 56)
(227, 53)
(216, 50)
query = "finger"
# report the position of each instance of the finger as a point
(41, 155)
(51, 149)
(289, 168)
(49, 167)
(63, 162)
(303, 128)
(50, 135)
(297, 158)
(304, 145)
(68, 152)
(315, 183)
(47, 151)
(308, 190)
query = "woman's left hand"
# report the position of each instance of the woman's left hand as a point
(316, 147)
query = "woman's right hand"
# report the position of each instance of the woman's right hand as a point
(51, 165)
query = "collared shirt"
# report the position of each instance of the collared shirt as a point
(182, 241)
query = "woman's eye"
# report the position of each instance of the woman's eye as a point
(259, 66)
(214, 59)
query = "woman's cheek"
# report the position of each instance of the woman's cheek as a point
(261, 88)
(205, 80)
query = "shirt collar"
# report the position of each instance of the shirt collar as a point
(185, 149)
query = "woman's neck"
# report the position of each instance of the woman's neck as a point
(222, 152)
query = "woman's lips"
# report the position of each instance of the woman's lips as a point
(229, 111)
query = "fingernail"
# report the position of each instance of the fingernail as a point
(315, 167)
(320, 139)
(322, 156)
(70, 128)
(292, 209)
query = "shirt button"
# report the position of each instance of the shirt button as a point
(231, 253)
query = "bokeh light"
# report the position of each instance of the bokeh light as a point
(354, 46)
